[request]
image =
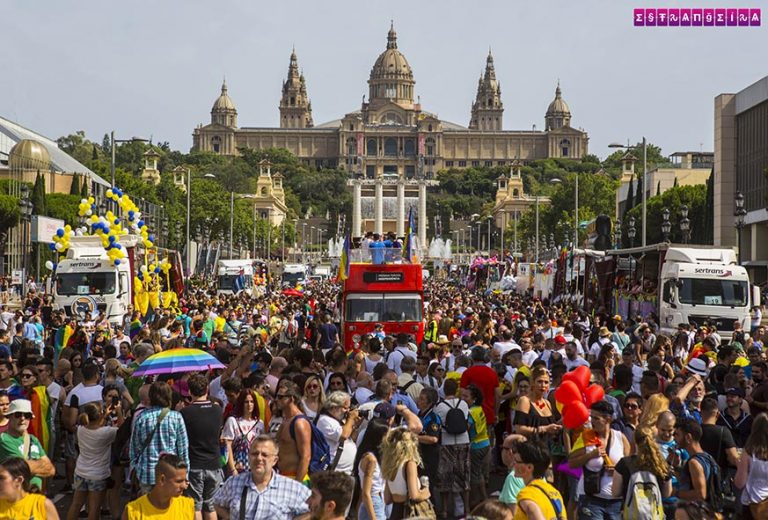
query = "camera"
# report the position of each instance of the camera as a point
(365, 414)
(115, 400)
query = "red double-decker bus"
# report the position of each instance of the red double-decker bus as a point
(390, 294)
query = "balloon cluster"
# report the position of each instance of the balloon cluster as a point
(132, 214)
(575, 395)
(87, 207)
(61, 242)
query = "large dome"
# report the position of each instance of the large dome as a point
(558, 107)
(391, 76)
(223, 102)
(391, 64)
(29, 154)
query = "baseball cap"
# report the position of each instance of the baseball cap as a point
(736, 391)
(384, 410)
(560, 339)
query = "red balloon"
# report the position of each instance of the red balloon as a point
(581, 377)
(567, 393)
(575, 415)
(593, 394)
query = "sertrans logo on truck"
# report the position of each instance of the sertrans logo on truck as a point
(713, 270)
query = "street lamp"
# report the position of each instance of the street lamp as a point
(685, 224)
(631, 231)
(617, 235)
(645, 176)
(739, 213)
(490, 218)
(113, 141)
(26, 208)
(666, 225)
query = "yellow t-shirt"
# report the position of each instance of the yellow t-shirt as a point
(31, 506)
(541, 499)
(181, 508)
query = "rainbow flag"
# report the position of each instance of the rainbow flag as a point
(40, 425)
(61, 339)
(408, 251)
(344, 260)
(134, 328)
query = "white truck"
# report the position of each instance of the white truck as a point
(687, 284)
(294, 274)
(229, 271)
(86, 282)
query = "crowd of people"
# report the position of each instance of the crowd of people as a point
(463, 424)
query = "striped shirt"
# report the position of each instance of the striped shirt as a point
(171, 437)
(282, 499)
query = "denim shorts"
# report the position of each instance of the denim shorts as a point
(203, 484)
(378, 509)
(84, 484)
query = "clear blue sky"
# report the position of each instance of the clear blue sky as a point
(152, 68)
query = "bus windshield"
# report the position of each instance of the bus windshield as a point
(708, 291)
(71, 284)
(381, 307)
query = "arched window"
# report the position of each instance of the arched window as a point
(429, 146)
(263, 191)
(429, 128)
(372, 148)
(410, 148)
(293, 101)
(390, 147)
(391, 118)
(216, 143)
(565, 147)
(516, 193)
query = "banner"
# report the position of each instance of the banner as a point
(360, 143)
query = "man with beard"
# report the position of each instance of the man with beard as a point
(572, 359)
(331, 495)
(687, 403)
(758, 399)
(734, 418)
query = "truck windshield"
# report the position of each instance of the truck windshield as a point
(705, 291)
(227, 281)
(70, 284)
(374, 307)
(294, 277)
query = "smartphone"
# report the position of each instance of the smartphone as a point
(115, 400)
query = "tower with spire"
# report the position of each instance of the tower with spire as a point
(295, 107)
(223, 112)
(487, 110)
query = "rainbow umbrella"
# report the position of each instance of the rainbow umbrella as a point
(177, 360)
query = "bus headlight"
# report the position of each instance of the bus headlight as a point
(356, 338)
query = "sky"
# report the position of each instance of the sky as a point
(154, 68)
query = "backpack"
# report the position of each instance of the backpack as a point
(455, 420)
(643, 500)
(241, 445)
(715, 491)
(320, 458)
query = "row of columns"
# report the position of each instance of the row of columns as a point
(378, 209)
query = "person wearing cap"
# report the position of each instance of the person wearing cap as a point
(16, 442)
(687, 402)
(738, 422)
(604, 337)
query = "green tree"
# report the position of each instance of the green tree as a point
(63, 206)
(84, 187)
(38, 195)
(9, 212)
(74, 188)
(695, 197)
(654, 158)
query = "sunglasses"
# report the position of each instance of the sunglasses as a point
(631, 406)
(26, 376)
(22, 415)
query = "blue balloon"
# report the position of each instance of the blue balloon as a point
(117, 221)
(52, 247)
(131, 213)
(118, 246)
(60, 232)
(151, 238)
(112, 238)
(55, 266)
(117, 262)
(141, 223)
(157, 270)
(141, 276)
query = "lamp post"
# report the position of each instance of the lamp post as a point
(685, 224)
(490, 218)
(112, 142)
(576, 215)
(739, 213)
(666, 226)
(231, 219)
(189, 202)
(26, 208)
(617, 235)
(645, 176)
(631, 231)
(295, 230)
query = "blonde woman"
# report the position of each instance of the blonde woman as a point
(648, 458)
(114, 375)
(314, 396)
(533, 414)
(652, 408)
(400, 461)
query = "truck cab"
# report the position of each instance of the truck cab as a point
(228, 276)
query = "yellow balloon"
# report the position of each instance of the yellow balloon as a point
(109, 193)
(91, 200)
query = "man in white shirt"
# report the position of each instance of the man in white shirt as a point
(506, 344)
(597, 346)
(572, 359)
(529, 355)
(453, 472)
(400, 351)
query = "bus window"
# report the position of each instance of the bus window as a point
(363, 307)
(402, 307)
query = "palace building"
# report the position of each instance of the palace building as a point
(391, 146)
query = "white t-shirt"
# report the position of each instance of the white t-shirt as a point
(235, 427)
(396, 357)
(579, 361)
(95, 451)
(441, 409)
(217, 392)
(529, 357)
(54, 394)
(85, 395)
(117, 341)
(502, 347)
(331, 430)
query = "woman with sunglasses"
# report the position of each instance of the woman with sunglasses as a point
(16, 498)
(239, 431)
(314, 396)
(40, 425)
